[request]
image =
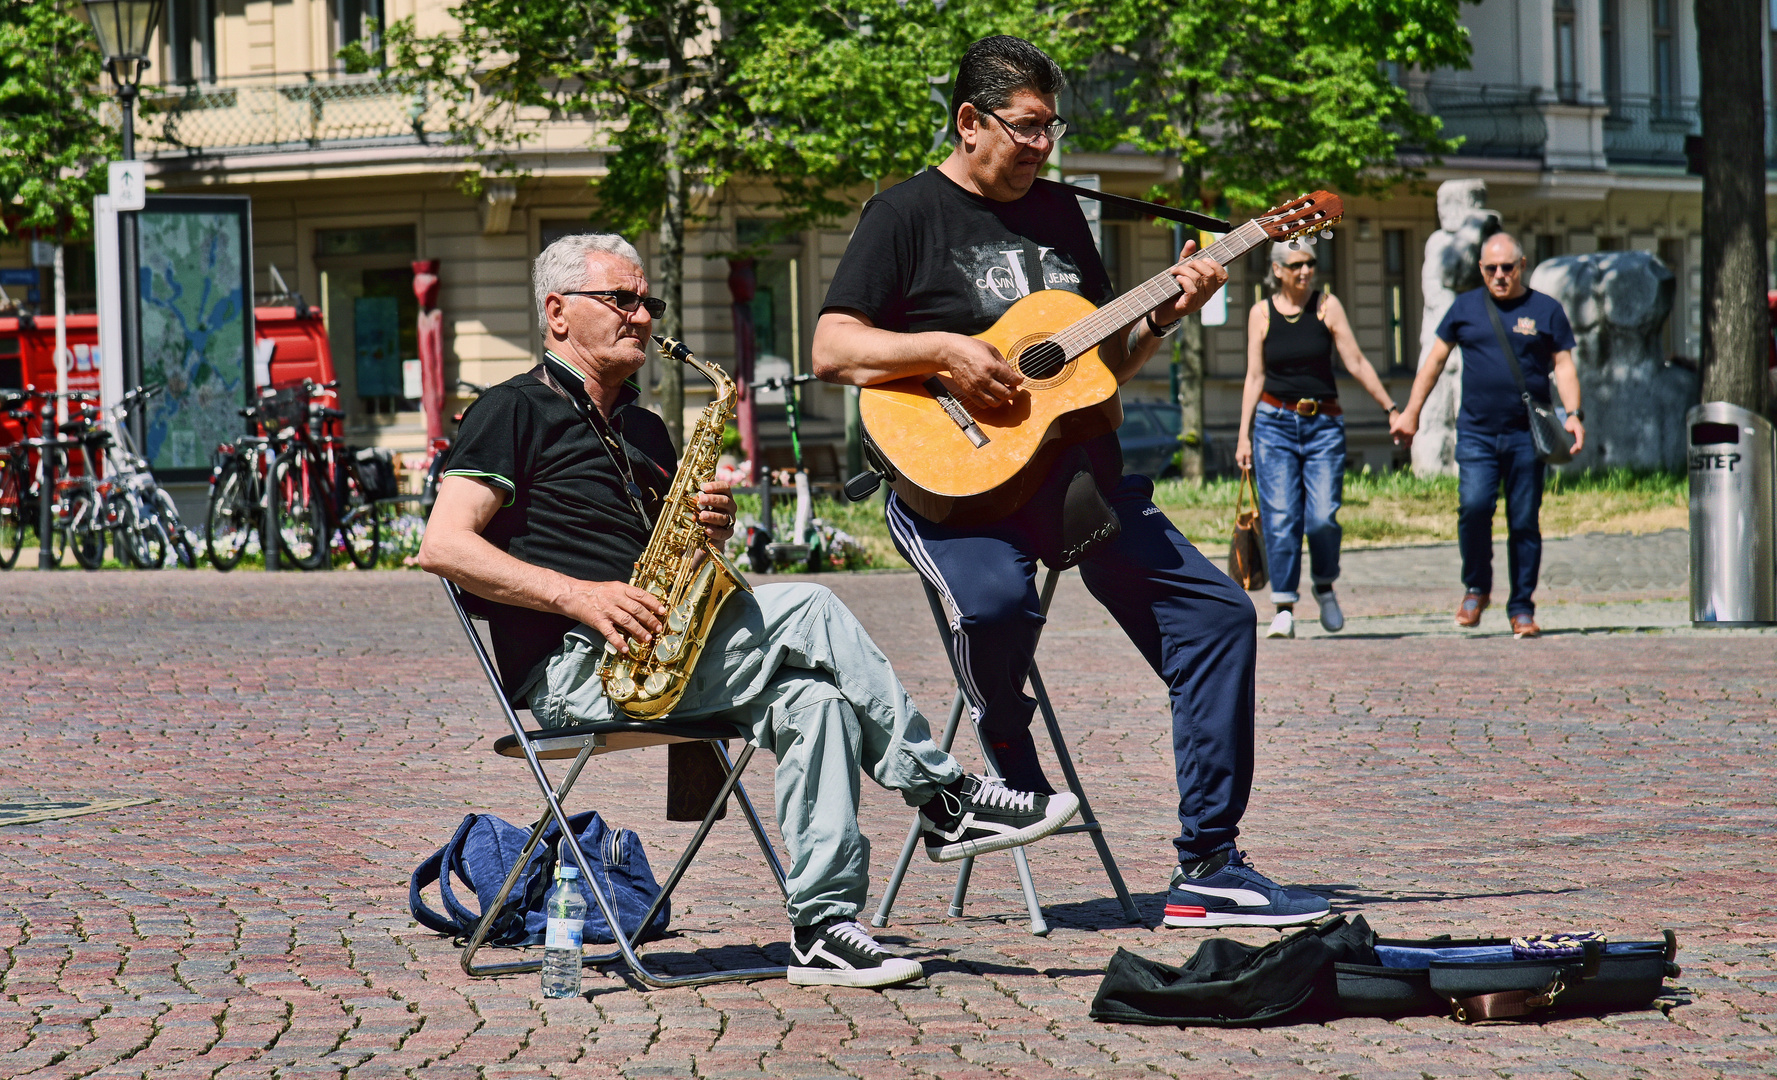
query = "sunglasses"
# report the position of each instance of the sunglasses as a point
(1498, 268)
(1305, 264)
(625, 301)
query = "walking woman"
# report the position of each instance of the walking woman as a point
(1292, 430)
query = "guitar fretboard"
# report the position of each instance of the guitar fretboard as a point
(1150, 294)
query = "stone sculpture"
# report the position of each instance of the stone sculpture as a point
(1634, 400)
(1452, 265)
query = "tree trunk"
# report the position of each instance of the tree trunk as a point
(1190, 397)
(1735, 321)
(670, 391)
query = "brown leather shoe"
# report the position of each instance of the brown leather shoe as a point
(1524, 626)
(1469, 614)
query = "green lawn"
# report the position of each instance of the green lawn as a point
(1380, 509)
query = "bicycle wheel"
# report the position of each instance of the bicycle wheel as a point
(86, 530)
(184, 551)
(360, 521)
(231, 517)
(12, 520)
(302, 513)
(140, 536)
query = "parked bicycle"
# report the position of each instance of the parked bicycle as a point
(260, 476)
(352, 512)
(18, 471)
(441, 454)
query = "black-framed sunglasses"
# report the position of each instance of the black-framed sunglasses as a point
(626, 301)
(1305, 264)
(1029, 133)
(1498, 268)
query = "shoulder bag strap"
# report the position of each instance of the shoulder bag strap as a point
(1033, 266)
(1506, 344)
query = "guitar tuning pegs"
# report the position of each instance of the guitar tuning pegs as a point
(1310, 239)
(1326, 234)
(1295, 245)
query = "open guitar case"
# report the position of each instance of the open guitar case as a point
(1340, 967)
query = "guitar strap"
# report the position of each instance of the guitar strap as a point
(1033, 266)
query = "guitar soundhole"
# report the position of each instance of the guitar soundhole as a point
(1042, 361)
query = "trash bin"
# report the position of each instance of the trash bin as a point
(1733, 517)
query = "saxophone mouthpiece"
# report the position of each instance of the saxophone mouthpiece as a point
(672, 347)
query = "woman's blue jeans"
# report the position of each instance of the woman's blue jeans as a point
(1300, 466)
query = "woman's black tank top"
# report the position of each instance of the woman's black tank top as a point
(1299, 354)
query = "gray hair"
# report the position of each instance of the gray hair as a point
(562, 265)
(1280, 251)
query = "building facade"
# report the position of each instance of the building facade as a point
(1574, 112)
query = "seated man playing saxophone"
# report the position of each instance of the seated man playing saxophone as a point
(545, 507)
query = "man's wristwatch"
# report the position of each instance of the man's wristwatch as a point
(1160, 331)
(1578, 414)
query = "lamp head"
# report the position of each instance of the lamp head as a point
(125, 29)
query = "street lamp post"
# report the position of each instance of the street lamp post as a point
(125, 29)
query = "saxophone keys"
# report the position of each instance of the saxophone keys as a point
(657, 684)
(679, 618)
(667, 648)
(621, 688)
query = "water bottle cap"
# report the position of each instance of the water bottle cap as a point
(568, 872)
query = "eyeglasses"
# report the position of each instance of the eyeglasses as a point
(626, 301)
(1491, 269)
(1305, 264)
(1026, 134)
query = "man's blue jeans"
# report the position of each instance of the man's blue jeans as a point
(1300, 465)
(1484, 463)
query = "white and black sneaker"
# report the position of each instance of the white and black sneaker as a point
(978, 814)
(842, 953)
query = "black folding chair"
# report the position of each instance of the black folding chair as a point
(581, 743)
(1088, 822)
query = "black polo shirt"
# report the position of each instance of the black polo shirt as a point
(567, 506)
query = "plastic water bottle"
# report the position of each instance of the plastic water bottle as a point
(566, 907)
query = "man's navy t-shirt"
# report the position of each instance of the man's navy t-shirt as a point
(1537, 327)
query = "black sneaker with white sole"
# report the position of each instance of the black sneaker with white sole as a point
(842, 953)
(979, 814)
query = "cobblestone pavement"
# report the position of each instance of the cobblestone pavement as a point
(310, 738)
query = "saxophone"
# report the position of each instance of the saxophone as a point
(681, 566)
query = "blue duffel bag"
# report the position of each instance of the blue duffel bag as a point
(485, 849)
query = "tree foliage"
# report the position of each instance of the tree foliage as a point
(52, 142)
(1258, 99)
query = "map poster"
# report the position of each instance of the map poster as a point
(195, 268)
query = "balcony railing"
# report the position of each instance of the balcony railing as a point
(311, 112)
(1642, 130)
(1493, 121)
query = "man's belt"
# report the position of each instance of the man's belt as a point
(1307, 406)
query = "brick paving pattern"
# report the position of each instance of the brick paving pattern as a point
(310, 738)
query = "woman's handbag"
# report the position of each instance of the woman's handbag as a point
(1553, 446)
(1246, 551)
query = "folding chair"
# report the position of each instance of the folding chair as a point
(1088, 822)
(582, 742)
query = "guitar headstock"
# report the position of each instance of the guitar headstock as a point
(1309, 213)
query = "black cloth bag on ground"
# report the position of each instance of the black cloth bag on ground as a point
(1340, 967)
(483, 852)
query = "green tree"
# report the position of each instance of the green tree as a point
(1256, 100)
(687, 94)
(52, 143)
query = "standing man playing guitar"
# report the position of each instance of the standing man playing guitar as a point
(942, 256)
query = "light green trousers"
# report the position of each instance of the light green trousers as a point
(799, 676)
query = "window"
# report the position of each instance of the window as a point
(1665, 59)
(1548, 246)
(1607, 53)
(358, 20)
(1394, 298)
(1567, 86)
(191, 42)
(376, 240)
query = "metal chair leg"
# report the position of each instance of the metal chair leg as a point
(1038, 925)
(758, 827)
(893, 889)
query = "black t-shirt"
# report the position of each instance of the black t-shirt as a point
(568, 507)
(929, 255)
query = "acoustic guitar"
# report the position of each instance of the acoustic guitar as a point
(963, 467)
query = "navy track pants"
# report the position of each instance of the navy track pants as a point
(1196, 628)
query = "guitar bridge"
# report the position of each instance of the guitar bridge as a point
(954, 409)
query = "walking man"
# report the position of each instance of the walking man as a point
(1493, 444)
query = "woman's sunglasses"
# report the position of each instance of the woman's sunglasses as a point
(625, 301)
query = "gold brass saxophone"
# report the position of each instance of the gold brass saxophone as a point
(681, 566)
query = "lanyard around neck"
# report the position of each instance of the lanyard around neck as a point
(613, 445)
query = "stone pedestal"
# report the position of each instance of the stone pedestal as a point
(1452, 265)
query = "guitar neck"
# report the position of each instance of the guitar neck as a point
(1150, 294)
